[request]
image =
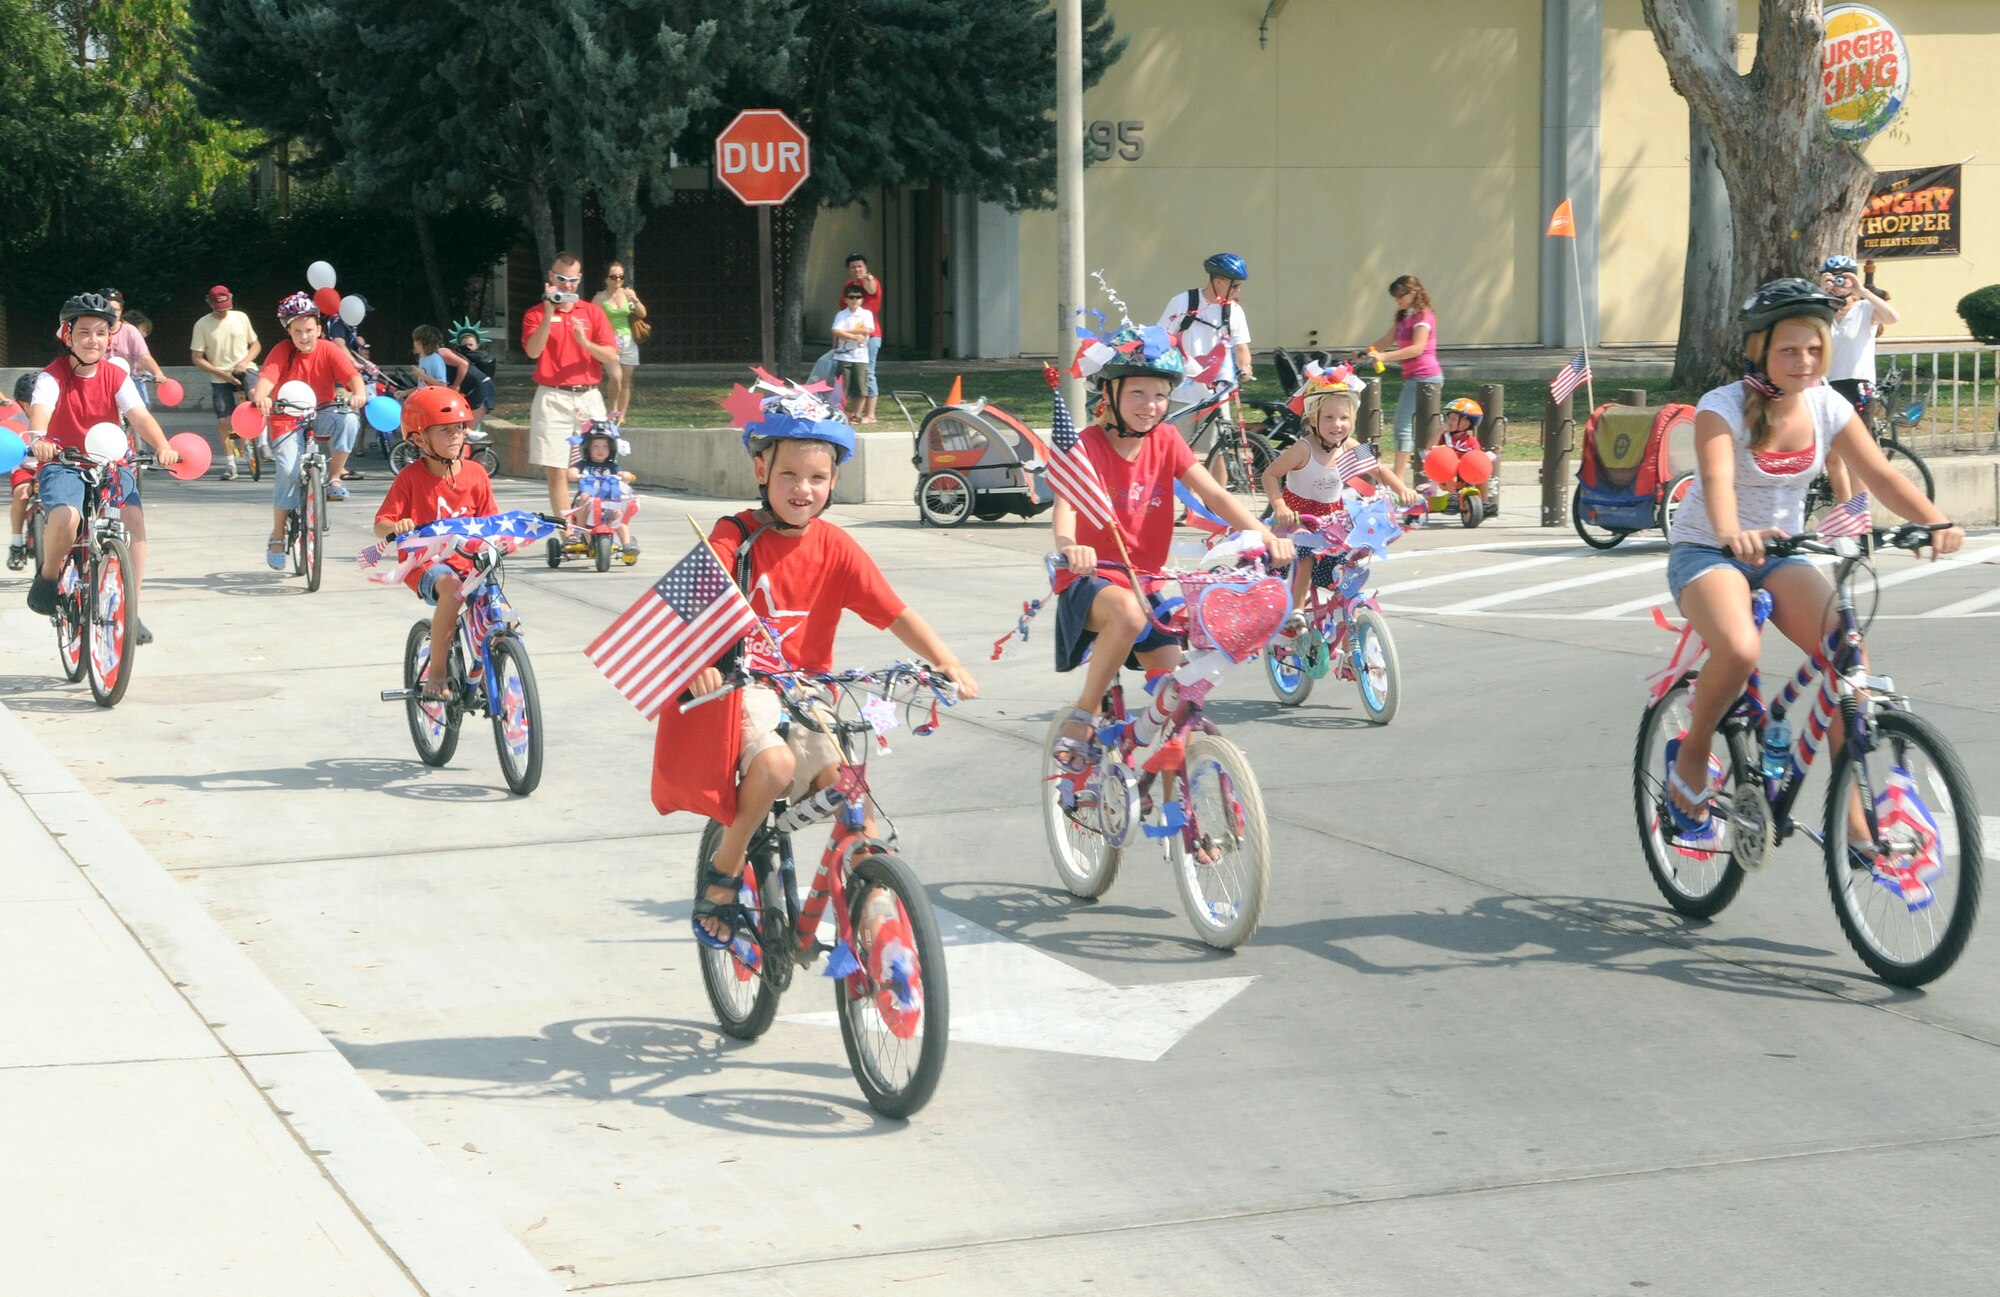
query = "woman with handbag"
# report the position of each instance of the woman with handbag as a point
(621, 305)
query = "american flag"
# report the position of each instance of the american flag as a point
(1848, 518)
(1073, 475)
(1572, 376)
(412, 550)
(681, 624)
(1355, 461)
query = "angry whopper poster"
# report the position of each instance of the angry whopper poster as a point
(1913, 213)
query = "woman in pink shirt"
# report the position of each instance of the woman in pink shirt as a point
(1411, 340)
(129, 345)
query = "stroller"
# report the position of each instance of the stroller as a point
(974, 460)
(1634, 471)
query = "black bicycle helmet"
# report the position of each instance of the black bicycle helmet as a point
(1783, 299)
(1227, 265)
(24, 388)
(599, 430)
(88, 304)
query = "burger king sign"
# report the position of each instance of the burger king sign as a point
(1864, 72)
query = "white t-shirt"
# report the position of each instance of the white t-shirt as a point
(1853, 344)
(1762, 499)
(48, 393)
(226, 341)
(1205, 332)
(853, 353)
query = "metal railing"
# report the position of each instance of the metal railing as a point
(1955, 385)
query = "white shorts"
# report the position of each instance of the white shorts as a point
(553, 418)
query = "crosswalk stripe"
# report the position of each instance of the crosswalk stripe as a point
(1964, 606)
(1618, 573)
(1631, 605)
(1426, 582)
(1924, 568)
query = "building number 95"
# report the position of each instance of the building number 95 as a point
(1102, 139)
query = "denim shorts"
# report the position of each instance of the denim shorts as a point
(61, 486)
(427, 583)
(1406, 410)
(222, 398)
(1074, 636)
(1685, 562)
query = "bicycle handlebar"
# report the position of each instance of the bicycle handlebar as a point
(889, 678)
(1912, 536)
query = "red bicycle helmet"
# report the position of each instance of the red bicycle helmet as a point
(433, 406)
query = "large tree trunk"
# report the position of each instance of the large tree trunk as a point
(1795, 193)
(1700, 359)
(792, 290)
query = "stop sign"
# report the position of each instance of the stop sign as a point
(762, 157)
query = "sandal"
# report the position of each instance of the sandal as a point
(442, 692)
(1075, 756)
(1687, 828)
(742, 940)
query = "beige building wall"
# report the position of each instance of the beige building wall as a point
(1361, 143)
(1954, 44)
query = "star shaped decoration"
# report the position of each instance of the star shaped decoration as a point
(476, 527)
(1371, 526)
(744, 406)
(507, 523)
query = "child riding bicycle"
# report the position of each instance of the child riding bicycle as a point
(730, 760)
(1099, 619)
(443, 483)
(305, 357)
(1758, 445)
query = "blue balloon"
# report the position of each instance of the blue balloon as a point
(383, 414)
(12, 450)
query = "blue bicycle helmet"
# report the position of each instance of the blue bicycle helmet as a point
(1227, 265)
(781, 425)
(1839, 264)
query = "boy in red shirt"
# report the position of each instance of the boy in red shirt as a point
(1098, 616)
(443, 483)
(305, 356)
(799, 573)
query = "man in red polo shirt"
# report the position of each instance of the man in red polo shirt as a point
(570, 340)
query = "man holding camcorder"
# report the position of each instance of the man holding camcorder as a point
(570, 340)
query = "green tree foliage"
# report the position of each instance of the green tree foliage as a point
(53, 119)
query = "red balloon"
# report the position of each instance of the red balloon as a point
(328, 302)
(171, 392)
(1474, 468)
(247, 421)
(1442, 464)
(195, 455)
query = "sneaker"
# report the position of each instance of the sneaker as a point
(143, 635)
(42, 596)
(274, 556)
(229, 470)
(17, 557)
(1294, 625)
(335, 491)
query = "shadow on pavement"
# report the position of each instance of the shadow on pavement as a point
(338, 775)
(1307, 716)
(624, 1061)
(256, 584)
(1013, 909)
(17, 690)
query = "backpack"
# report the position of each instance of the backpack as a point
(1193, 309)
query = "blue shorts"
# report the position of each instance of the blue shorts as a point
(428, 582)
(61, 486)
(223, 398)
(1686, 561)
(1073, 636)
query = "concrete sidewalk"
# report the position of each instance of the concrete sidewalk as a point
(173, 1125)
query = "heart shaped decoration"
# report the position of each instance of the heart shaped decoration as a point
(1239, 617)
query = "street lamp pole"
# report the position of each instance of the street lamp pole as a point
(1069, 191)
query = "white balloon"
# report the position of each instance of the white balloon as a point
(298, 397)
(352, 308)
(105, 443)
(319, 275)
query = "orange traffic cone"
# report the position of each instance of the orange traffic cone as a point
(957, 394)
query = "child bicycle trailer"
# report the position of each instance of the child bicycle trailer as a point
(1634, 471)
(975, 460)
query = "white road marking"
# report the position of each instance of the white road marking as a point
(1617, 573)
(1007, 993)
(1426, 582)
(1921, 568)
(1966, 606)
(1631, 605)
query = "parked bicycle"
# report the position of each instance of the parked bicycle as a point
(1233, 455)
(489, 671)
(1887, 424)
(1192, 790)
(894, 1026)
(97, 612)
(1901, 829)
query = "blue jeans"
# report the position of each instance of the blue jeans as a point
(340, 429)
(874, 350)
(1406, 409)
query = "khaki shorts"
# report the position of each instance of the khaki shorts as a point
(812, 752)
(553, 418)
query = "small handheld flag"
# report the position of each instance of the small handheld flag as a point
(681, 624)
(1070, 470)
(1848, 518)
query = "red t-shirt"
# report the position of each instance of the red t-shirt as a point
(84, 400)
(326, 369)
(423, 497)
(871, 302)
(564, 362)
(1142, 495)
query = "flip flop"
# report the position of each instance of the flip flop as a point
(1688, 829)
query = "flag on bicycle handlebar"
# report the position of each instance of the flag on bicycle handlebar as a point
(505, 532)
(1848, 518)
(681, 624)
(1071, 472)
(1354, 462)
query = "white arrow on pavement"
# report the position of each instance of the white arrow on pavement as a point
(1008, 993)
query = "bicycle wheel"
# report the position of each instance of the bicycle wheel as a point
(1291, 683)
(895, 1032)
(312, 527)
(256, 461)
(113, 617)
(1592, 535)
(486, 459)
(1223, 893)
(1908, 909)
(744, 1000)
(1912, 466)
(1085, 862)
(402, 455)
(517, 720)
(1697, 881)
(72, 622)
(433, 726)
(1377, 671)
(600, 552)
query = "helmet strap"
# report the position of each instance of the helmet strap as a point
(1758, 381)
(1118, 428)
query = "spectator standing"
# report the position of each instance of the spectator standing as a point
(225, 346)
(621, 305)
(852, 331)
(1412, 342)
(861, 277)
(129, 345)
(571, 342)
(477, 385)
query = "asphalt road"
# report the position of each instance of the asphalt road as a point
(1469, 1050)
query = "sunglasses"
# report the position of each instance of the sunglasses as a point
(614, 276)
(569, 279)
